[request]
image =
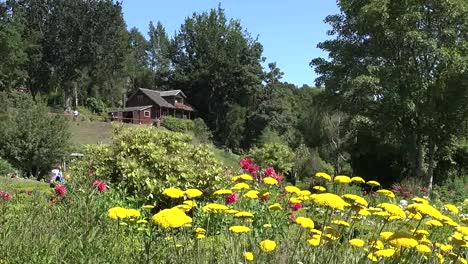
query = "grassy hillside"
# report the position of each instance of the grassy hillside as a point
(23, 185)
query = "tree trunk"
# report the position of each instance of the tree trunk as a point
(75, 93)
(418, 158)
(430, 171)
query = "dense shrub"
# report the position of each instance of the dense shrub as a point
(32, 140)
(177, 124)
(146, 160)
(5, 167)
(279, 156)
(96, 105)
(201, 131)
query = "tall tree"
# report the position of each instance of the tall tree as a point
(159, 53)
(218, 65)
(138, 64)
(389, 61)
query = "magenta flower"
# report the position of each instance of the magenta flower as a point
(270, 172)
(5, 195)
(295, 206)
(60, 190)
(231, 198)
(100, 186)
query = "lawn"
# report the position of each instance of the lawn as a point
(24, 185)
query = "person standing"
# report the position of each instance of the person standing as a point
(56, 175)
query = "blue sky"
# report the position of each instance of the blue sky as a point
(288, 30)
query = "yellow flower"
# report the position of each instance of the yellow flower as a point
(329, 200)
(123, 224)
(270, 181)
(386, 235)
(401, 239)
(314, 241)
(447, 220)
(357, 242)
(222, 192)
(421, 232)
(434, 223)
(420, 200)
(200, 230)
(232, 211)
(171, 218)
(373, 183)
(267, 225)
(214, 208)
(440, 257)
(423, 248)
(249, 256)
(193, 193)
(342, 179)
(305, 222)
(244, 177)
(416, 216)
(357, 179)
(425, 210)
(323, 175)
(295, 200)
(141, 229)
(463, 230)
(425, 241)
(372, 257)
(239, 229)
(315, 231)
(396, 213)
(319, 188)
(253, 194)
(452, 208)
(465, 220)
(304, 193)
(361, 211)
(142, 221)
(240, 186)
(292, 189)
(387, 193)
(377, 244)
(173, 192)
(190, 203)
(385, 253)
(201, 236)
(243, 214)
(148, 206)
(444, 247)
(183, 207)
(267, 245)
(117, 213)
(340, 223)
(275, 206)
(352, 198)
(133, 213)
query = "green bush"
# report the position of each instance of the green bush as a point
(453, 189)
(96, 105)
(5, 167)
(201, 131)
(278, 156)
(144, 161)
(177, 124)
(32, 140)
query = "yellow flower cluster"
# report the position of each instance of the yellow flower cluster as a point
(121, 213)
(171, 218)
(329, 200)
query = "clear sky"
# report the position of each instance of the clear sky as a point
(288, 30)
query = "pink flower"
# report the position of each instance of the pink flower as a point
(292, 218)
(424, 189)
(253, 169)
(231, 198)
(270, 171)
(100, 186)
(266, 197)
(60, 189)
(245, 163)
(5, 196)
(295, 206)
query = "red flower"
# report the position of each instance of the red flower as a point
(266, 197)
(292, 218)
(295, 206)
(5, 196)
(245, 163)
(100, 186)
(270, 171)
(60, 189)
(424, 189)
(253, 169)
(230, 199)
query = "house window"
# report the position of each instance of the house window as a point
(147, 113)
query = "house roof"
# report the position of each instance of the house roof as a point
(172, 93)
(131, 109)
(158, 98)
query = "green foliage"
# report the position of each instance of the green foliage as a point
(269, 136)
(144, 161)
(33, 140)
(452, 189)
(96, 105)
(5, 167)
(177, 124)
(278, 156)
(201, 131)
(308, 162)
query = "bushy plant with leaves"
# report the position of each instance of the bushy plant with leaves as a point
(96, 105)
(177, 124)
(201, 131)
(5, 167)
(144, 161)
(278, 156)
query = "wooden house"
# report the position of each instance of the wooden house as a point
(145, 106)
